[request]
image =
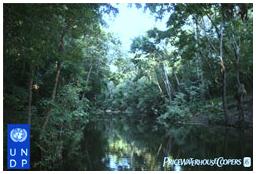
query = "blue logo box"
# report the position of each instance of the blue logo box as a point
(18, 146)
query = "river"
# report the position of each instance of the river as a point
(131, 144)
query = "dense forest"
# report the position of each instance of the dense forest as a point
(181, 92)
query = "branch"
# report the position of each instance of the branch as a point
(215, 26)
(209, 41)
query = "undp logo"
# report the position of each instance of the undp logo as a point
(18, 146)
(18, 134)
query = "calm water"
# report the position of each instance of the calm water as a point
(136, 145)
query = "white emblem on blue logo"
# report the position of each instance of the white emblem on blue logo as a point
(18, 146)
(18, 135)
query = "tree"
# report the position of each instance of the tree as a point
(212, 29)
(50, 46)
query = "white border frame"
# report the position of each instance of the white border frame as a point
(112, 1)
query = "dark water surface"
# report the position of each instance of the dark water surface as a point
(136, 145)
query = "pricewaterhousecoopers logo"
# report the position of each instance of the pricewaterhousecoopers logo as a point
(219, 162)
(18, 146)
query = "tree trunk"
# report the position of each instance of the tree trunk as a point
(30, 97)
(177, 80)
(240, 87)
(87, 79)
(157, 82)
(199, 59)
(240, 101)
(240, 92)
(58, 68)
(224, 97)
(56, 81)
(88, 76)
(224, 78)
(167, 82)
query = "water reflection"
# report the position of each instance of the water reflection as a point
(133, 145)
(93, 147)
(117, 163)
(177, 168)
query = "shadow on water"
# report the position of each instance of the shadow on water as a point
(93, 147)
(136, 145)
(91, 150)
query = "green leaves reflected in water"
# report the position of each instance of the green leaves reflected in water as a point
(145, 150)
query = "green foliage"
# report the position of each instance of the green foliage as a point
(37, 38)
(177, 110)
(135, 97)
(143, 44)
(68, 118)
